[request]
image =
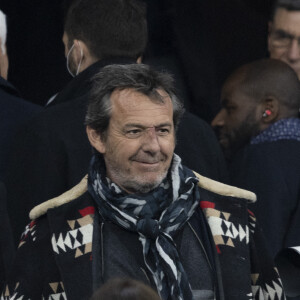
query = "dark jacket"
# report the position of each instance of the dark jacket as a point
(62, 251)
(272, 171)
(7, 248)
(52, 152)
(14, 111)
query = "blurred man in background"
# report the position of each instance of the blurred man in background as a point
(259, 132)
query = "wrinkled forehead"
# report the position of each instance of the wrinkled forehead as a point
(130, 96)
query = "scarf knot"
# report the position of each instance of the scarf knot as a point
(148, 227)
(156, 216)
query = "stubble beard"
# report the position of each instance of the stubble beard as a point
(241, 136)
(138, 183)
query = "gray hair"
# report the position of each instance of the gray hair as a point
(3, 31)
(139, 77)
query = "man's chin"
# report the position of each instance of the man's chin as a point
(144, 184)
(140, 187)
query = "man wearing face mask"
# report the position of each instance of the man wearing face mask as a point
(99, 33)
(52, 152)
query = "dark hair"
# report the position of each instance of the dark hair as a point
(139, 77)
(270, 77)
(291, 5)
(125, 289)
(108, 28)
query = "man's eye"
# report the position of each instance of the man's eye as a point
(281, 38)
(163, 131)
(281, 35)
(133, 133)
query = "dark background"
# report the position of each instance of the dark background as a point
(201, 42)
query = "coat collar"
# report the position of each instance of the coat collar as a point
(81, 188)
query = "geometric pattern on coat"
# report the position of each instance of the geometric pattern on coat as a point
(55, 291)
(273, 291)
(57, 288)
(223, 230)
(252, 221)
(6, 295)
(29, 232)
(79, 237)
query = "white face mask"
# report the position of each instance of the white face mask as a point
(79, 65)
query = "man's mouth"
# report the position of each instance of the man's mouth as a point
(147, 162)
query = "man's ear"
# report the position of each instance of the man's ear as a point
(95, 140)
(269, 109)
(139, 59)
(78, 51)
(82, 55)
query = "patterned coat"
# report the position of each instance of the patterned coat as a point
(56, 257)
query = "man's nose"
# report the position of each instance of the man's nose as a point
(151, 140)
(293, 52)
(218, 121)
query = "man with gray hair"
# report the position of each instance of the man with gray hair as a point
(140, 213)
(52, 152)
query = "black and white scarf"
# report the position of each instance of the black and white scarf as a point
(156, 216)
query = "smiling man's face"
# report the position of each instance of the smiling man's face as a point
(139, 143)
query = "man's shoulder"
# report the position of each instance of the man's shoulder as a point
(63, 111)
(72, 195)
(13, 105)
(274, 155)
(57, 120)
(225, 190)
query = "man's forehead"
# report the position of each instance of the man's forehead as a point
(234, 93)
(232, 85)
(130, 98)
(132, 108)
(287, 20)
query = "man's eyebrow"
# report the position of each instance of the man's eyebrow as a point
(283, 32)
(136, 125)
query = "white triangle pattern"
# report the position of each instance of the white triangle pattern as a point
(270, 292)
(62, 244)
(216, 224)
(278, 289)
(14, 297)
(68, 241)
(57, 296)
